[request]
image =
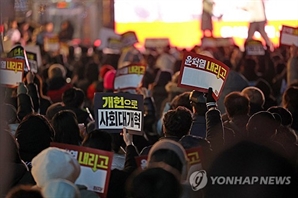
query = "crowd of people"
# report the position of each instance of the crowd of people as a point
(251, 130)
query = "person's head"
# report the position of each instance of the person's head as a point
(56, 71)
(285, 115)
(33, 135)
(54, 163)
(162, 78)
(177, 122)
(73, 97)
(66, 128)
(98, 139)
(153, 182)
(60, 188)
(10, 113)
(198, 102)
(255, 95)
(172, 88)
(236, 104)
(171, 155)
(108, 80)
(289, 99)
(13, 24)
(262, 126)
(264, 86)
(49, 27)
(24, 191)
(181, 100)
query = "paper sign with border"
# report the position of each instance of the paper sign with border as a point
(95, 166)
(51, 44)
(288, 36)
(153, 43)
(194, 155)
(105, 34)
(254, 47)
(19, 52)
(129, 38)
(113, 111)
(200, 72)
(34, 49)
(129, 77)
(32, 59)
(11, 71)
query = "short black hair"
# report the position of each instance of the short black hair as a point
(236, 104)
(153, 182)
(177, 122)
(98, 139)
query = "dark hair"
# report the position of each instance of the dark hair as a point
(73, 97)
(169, 157)
(247, 159)
(262, 125)
(236, 104)
(177, 122)
(286, 116)
(181, 100)
(153, 182)
(98, 139)
(289, 99)
(24, 191)
(66, 128)
(33, 135)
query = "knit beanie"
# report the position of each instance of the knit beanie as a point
(108, 80)
(60, 188)
(54, 163)
(175, 147)
(73, 97)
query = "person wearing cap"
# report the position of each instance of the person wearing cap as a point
(54, 163)
(56, 83)
(171, 156)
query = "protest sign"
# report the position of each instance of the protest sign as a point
(11, 71)
(32, 59)
(208, 42)
(104, 35)
(289, 36)
(200, 72)
(194, 156)
(254, 47)
(154, 43)
(19, 52)
(113, 111)
(129, 38)
(95, 167)
(114, 46)
(129, 77)
(7, 44)
(34, 49)
(51, 44)
(216, 42)
(224, 42)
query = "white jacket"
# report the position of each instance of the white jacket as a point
(256, 10)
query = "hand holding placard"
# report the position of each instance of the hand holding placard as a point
(127, 137)
(200, 72)
(211, 102)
